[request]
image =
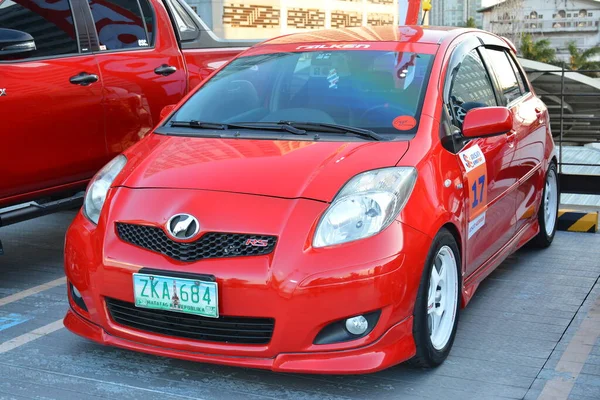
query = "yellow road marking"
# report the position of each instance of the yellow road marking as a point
(574, 357)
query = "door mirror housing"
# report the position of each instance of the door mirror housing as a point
(15, 42)
(487, 121)
(164, 113)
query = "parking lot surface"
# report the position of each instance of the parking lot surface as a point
(531, 331)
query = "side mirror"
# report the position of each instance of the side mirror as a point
(14, 42)
(487, 121)
(164, 113)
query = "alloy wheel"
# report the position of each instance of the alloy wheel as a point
(550, 201)
(442, 298)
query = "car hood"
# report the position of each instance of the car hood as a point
(278, 168)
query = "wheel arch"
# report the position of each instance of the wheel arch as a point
(455, 232)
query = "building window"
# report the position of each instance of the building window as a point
(560, 14)
(582, 13)
(533, 15)
(590, 15)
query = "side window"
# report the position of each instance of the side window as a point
(185, 25)
(522, 82)
(121, 24)
(471, 87)
(505, 73)
(49, 23)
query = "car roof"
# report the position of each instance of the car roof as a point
(390, 33)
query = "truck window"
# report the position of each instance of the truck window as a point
(50, 24)
(186, 27)
(121, 24)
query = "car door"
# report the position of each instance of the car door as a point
(488, 180)
(530, 128)
(52, 124)
(141, 64)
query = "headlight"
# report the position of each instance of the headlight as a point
(365, 206)
(98, 188)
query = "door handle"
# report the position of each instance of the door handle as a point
(165, 70)
(510, 139)
(83, 79)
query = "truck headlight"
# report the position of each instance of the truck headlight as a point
(365, 206)
(98, 188)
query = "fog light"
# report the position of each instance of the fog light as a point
(76, 296)
(357, 325)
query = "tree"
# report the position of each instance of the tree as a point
(538, 50)
(580, 59)
(471, 23)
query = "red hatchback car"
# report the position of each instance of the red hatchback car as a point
(325, 203)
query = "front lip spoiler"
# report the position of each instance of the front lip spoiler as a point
(378, 355)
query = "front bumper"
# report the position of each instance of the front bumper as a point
(393, 347)
(301, 288)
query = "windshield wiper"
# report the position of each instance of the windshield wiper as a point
(271, 126)
(333, 128)
(198, 125)
(267, 126)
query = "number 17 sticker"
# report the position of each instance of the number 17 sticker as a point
(474, 163)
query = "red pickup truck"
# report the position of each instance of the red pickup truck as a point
(82, 80)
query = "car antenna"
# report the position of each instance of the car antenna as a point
(426, 7)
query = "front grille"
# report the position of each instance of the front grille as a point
(209, 245)
(223, 329)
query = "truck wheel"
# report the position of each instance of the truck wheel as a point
(436, 310)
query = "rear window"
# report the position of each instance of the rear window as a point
(377, 90)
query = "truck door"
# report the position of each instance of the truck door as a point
(141, 65)
(51, 120)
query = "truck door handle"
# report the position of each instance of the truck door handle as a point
(165, 70)
(83, 79)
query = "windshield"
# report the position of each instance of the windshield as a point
(381, 91)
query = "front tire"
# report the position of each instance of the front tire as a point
(548, 211)
(437, 307)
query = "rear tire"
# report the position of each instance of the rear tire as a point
(548, 210)
(435, 316)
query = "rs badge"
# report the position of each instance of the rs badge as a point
(257, 242)
(2, 92)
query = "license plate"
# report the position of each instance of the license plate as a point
(188, 296)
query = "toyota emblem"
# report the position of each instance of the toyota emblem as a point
(183, 226)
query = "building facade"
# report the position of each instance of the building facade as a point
(455, 12)
(559, 21)
(260, 19)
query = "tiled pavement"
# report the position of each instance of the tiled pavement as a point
(511, 340)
